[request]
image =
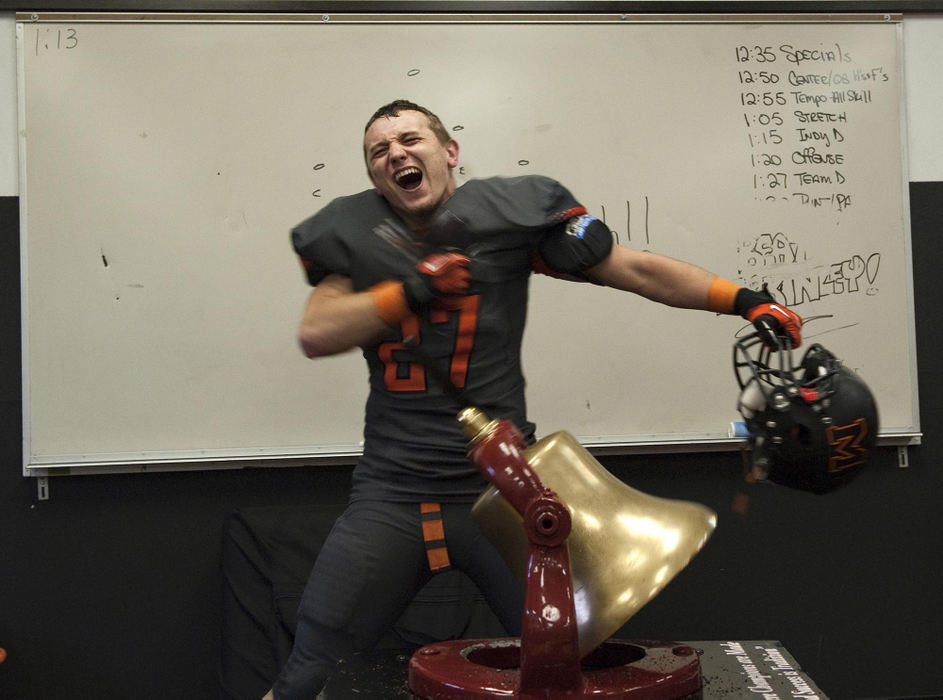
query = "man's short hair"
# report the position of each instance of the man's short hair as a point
(396, 106)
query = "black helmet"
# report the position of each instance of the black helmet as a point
(812, 427)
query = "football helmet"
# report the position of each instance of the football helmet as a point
(813, 426)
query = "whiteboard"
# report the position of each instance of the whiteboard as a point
(164, 160)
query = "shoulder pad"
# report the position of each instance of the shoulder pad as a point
(322, 240)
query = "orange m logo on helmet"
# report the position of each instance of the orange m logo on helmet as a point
(846, 446)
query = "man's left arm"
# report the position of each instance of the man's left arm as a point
(681, 284)
(655, 277)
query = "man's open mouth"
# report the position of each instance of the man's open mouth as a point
(408, 178)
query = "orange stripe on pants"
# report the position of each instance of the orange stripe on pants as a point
(433, 534)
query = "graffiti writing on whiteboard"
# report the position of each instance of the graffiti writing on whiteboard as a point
(770, 250)
(795, 277)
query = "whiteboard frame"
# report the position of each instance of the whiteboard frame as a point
(448, 18)
(345, 454)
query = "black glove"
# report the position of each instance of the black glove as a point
(436, 276)
(773, 320)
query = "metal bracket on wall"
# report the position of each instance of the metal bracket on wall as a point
(42, 488)
(903, 456)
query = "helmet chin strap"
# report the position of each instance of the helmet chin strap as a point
(761, 465)
(752, 400)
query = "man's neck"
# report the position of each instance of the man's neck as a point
(420, 222)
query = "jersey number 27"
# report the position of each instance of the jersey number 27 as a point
(410, 375)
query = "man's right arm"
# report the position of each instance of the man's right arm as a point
(336, 318)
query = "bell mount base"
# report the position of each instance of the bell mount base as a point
(470, 669)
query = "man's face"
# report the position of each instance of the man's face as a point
(409, 166)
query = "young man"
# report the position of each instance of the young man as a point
(420, 272)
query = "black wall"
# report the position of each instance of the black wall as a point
(111, 588)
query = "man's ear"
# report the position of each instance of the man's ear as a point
(452, 148)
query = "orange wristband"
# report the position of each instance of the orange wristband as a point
(390, 301)
(721, 296)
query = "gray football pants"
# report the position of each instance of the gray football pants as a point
(372, 564)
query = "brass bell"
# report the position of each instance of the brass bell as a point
(624, 545)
